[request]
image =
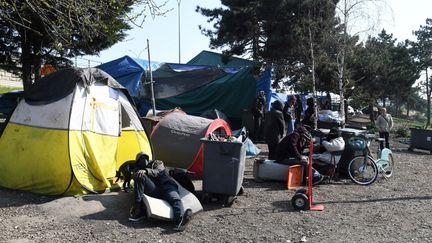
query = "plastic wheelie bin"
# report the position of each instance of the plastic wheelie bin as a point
(223, 170)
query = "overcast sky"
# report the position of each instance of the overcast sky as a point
(401, 18)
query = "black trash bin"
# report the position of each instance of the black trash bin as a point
(421, 139)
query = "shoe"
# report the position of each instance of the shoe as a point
(317, 180)
(138, 212)
(184, 220)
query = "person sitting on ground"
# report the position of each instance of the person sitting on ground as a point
(153, 179)
(290, 151)
(332, 143)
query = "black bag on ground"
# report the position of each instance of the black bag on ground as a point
(183, 179)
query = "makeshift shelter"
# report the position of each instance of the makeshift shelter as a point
(128, 72)
(196, 89)
(263, 83)
(74, 128)
(205, 83)
(176, 139)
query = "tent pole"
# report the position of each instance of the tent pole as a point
(151, 80)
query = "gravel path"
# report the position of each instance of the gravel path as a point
(395, 210)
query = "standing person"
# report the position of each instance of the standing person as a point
(289, 112)
(274, 128)
(309, 114)
(384, 123)
(153, 179)
(299, 110)
(258, 111)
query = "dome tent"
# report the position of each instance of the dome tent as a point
(74, 128)
(176, 139)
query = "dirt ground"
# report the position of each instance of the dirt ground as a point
(395, 210)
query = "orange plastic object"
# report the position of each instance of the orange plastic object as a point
(295, 176)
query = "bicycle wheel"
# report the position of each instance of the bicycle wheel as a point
(363, 170)
(386, 166)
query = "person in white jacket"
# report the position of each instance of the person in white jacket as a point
(333, 143)
(384, 123)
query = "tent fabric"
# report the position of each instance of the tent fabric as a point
(230, 94)
(263, 83)
(128, 72)
(176, 139)
(43, 91)
(169, 82)
(216, 59)
(75, 144)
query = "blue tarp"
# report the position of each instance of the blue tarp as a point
(128, 72)
(230, 93)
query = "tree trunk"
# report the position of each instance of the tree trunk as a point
(313, 80)
(26, 61)
(428, 97)
(37, 59)
(397, 107)
(371, 113)
(408, 110)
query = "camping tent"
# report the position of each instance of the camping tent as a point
(74, 128)
(176, 139)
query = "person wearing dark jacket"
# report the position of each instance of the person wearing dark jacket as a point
(290, 151)
(258, 111)
(274, 127)
(151, 178)
(309, 114)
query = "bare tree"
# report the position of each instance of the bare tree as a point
(356, 17)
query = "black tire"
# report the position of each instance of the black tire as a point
(229, 201)
(301, 190)
(300, 201)
(361, 171)
(241, 191)
(205, 198)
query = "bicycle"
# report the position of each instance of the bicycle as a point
(364, 169)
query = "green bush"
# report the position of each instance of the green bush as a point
(402, 132)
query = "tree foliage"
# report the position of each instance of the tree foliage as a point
(35, 31)
(273, 32)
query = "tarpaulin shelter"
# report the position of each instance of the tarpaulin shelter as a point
(128, 72)
(70, 134)
(176, 139)
(215, 59)
(197, 88)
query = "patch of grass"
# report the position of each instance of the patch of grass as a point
(399, 122)
(5, 89)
